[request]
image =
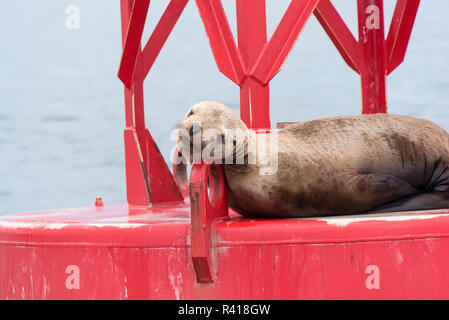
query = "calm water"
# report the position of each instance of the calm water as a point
(61, 104)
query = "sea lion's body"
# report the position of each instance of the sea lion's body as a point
(347, 165)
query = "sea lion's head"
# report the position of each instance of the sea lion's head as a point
(211, 131)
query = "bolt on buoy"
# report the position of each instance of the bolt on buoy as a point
(99, 202)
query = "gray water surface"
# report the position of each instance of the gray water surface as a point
(62, 106)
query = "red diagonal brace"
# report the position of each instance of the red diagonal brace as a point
(221, 40)
(372, 56)
(338, 32)
(132, 41)
(161, 183)
(161, 33)
(400, 30)
(283, 39)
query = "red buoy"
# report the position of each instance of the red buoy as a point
(177, 239)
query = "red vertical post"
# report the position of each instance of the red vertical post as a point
(252, 37)
(148, 179)
(136, 178)
(373, 69)
(372, 56)
(125, 9)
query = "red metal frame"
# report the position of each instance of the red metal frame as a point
(255, 61)
(373, 56)
(251, 65)
(148, 178)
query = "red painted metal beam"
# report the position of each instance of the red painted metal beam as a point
(222, 43)
(276, 51)
(126, 7)
(372, 56)
(148, 178)
(338, 32)
(138, 107)
(161, 33)
(400, 30)
(131, 48)
(136, 176)
(252, 37)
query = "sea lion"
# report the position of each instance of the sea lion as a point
(334, 165)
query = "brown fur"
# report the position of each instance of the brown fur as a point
(340, 165)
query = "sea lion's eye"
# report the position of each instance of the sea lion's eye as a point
(190, 113)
